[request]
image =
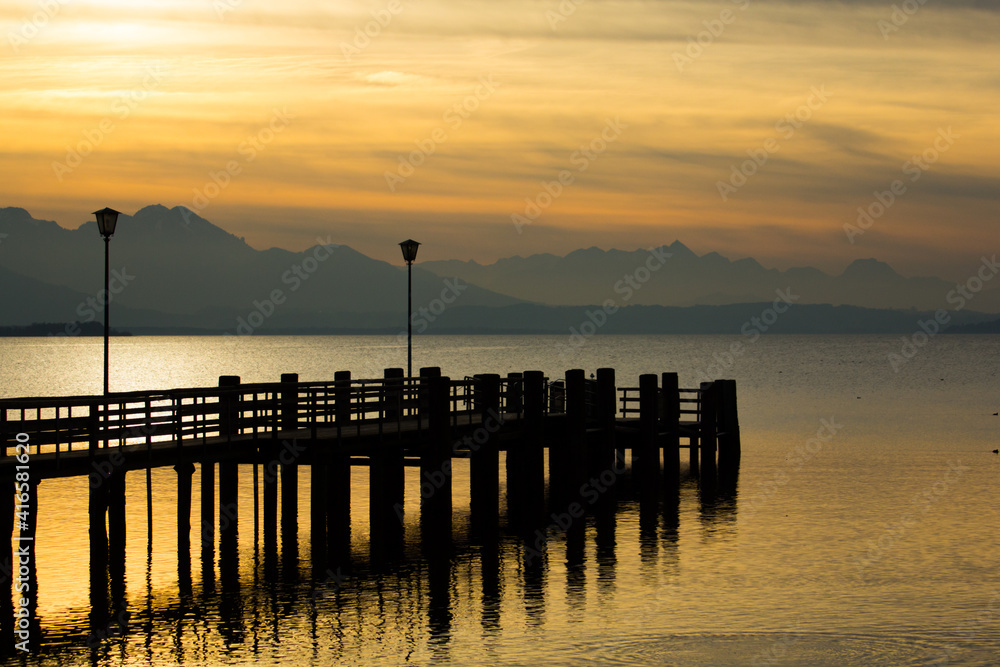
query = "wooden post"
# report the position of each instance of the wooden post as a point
(670, 424)
(435, 464)
(646, 466)
(603, 464)
(338, 478)
(729, 435)
(423, 392)
(116, 514)
(207, 508)
(573, 447)
(532, 458)
(229, 425)
(289, 401)
(228, 502)
(393, 394)
(185, 470)
(515, 393)
(709, 422)
(229, 405)
(385, 478)
(318, 491)
(485, 454)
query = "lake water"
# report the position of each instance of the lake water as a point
(863, 530)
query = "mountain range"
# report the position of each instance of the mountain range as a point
(175, 272)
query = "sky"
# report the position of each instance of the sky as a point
(491, 128)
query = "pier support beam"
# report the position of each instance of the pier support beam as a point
(531, 460)
(485, 456)
(338, 478)
(386, 477)
(646, 466)
(670, 425)
(573, 454)
(603, 463)
(435, 461)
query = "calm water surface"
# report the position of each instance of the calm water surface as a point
(875, 545)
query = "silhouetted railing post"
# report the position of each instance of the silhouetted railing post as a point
(603, 464)
(515, 392)
(229, 425)
(393, 394)
(424, 391)
(729, 424)
(289, 401)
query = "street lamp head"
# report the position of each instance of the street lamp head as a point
(409, 248)
(107, 218)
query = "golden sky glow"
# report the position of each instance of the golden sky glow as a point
(300, 115)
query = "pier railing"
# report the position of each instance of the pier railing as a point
(342, 407)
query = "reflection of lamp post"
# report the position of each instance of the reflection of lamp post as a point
(107, 218)
(409, 254)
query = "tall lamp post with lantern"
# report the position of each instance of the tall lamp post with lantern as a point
(107, 219)
(409, 248)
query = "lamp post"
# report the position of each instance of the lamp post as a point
(107, 218)
(409, 248)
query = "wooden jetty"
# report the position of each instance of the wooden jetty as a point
(586, 426)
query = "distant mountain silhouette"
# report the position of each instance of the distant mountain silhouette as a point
(590, 276)
(175, 272)
(180, 265)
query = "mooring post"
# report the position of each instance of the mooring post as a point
(573, 453)
(485, 454)
(435, 462)
(185, 470)
(670, 424)
(229, 418)
(385, 476)
(603, 463)
(647, 467)
(531, 488)
(729, 435)
(709, 422)
(338, 477)
(116, 512)
(207, 507)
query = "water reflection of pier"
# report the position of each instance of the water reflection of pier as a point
(575, 452)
